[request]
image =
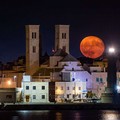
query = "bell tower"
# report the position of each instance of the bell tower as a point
(32, 48)
(62, 37)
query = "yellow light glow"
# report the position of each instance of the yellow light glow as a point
(110, 115)
(9, 82)
(59, 91)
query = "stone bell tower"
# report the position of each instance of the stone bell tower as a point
(32, 48)
(62, 37)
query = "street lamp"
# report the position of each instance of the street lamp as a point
(112, 69)
(110, 94)
(14, 77)
(111, 50)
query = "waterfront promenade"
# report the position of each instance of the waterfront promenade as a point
(59, 106)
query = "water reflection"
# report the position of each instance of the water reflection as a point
(61, 115)
(77, 116)
(110, 115)
(58, 116)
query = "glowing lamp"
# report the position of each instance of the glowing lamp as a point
(111, 50)
(9, 82)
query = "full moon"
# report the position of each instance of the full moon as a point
(92, 47)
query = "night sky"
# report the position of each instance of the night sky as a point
(86, 17)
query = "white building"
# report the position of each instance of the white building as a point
(69, 91)
(99, 82)
(34, 91)
(94, 77)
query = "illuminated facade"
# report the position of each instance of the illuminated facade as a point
(71, 79)
(70, 91)
(7, 83)
(35, 92)
(7, 90)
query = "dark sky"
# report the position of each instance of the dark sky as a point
(86, 17)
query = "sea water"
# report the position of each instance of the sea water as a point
(60, 115)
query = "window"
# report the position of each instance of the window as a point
(27, 87)
(43, 96)
(61, 87)
(86, 79)
(73, 79)
(34, 96)
(34, 49)
(72, 69)
(9, 96)
(43, 87)
(79, 88)
(73, 95)
(67, 96)
(33, 35)
(79, 95)
(68, 88)
(63, 35)
(101, 80)
(97, 79)
(34, 87)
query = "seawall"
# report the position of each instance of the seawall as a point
(61, 106)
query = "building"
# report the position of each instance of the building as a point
(7, 90)
(62, 37)
(32, 48)
(8, 95)
(61, 77)
(34, 91)
(65, 91)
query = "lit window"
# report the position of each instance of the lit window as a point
(34, 96)
(34, 87)
(43, 96)
(27, 87)
(43, 87)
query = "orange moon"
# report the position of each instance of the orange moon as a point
(92, 47)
